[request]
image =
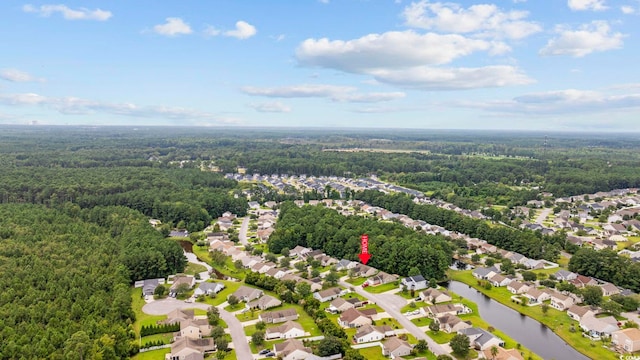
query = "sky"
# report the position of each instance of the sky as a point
(551, 65)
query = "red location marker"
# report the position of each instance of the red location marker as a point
(364, 243)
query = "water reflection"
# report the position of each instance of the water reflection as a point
(526, 331)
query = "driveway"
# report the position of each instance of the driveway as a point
(543, 215)
(239, 339)
(392, 304)
(242, 235)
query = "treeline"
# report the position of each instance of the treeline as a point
(394, 248)
(186, 198)
(65, 292)
(528, 243)
(607, 265)
(147, 330)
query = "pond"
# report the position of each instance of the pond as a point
(523, 329)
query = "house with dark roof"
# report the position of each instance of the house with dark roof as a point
(481, 339)
(279, 316)
(417, 282)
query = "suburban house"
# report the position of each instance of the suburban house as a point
(177, 315)
(516, 287)
(485, 273)
(394, 348)
(354, 318)
(291, 349)
(532, 264)
(345, 264)
(581, 281)
(609, 289)
(579, 312)
(299, 251)
(275, 317)
(363, 271)
(187, 348)
(339, 305)
(263, 267)
(328, 294)
(250, 261)
(481, 339)
(537, 296)
(627, 339)
(276, 273)
(435, 311)
(369, 333)
(179, 281)
(599, 327)
(194, 328)
(451, 323)
(288, 330)
(264, 302)
(503, 354)
(434, 296)
(149, 285)
(498, 280)
(246, 294)
(417, 282)
(564, 275)
(208, 288)
(381, 278)
(560, 302)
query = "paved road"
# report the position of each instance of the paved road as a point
(239, 339)
(543, 215)
(242, 235)
(392, 305)
(243, 351)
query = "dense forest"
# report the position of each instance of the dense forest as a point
(528, 243)
(394, 248)
(66, 275)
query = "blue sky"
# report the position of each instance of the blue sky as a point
(568, 65)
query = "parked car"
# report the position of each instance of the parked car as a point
(270, 354)
(264, 352)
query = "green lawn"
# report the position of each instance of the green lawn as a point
(440, 337)
(193, 269)
(381, 288)
(417, 306)
(559, 322)
(152, 355)
(356, 281)
(229, 288)
(142, 318)
(165, 338)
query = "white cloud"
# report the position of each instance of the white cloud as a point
(332, 92)
(211, 31)
(173, 26)
(78, 106)
(588, 38)
(480, 19)
(435, 78)
(274, 107)
(582, 5)
(628, 10)
(67, 13)
(390, 49)
(14, 75)
(561, 102)
(243, 30)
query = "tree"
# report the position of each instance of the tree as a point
(217, 332)
(222, 344)
(422, 345)
(315, 273)
(332, 278)
(433, 283)
(434, 326)
(260, 325)
(494, 351)
(592, 295)
(285, 252)
(285, 262)
(414, 271)
(444, 357)
(460, 345)
(545, 308)
(300, 266)
(529, 276)
(257, 338)
(78, 346)
(489, 262)
(475, 258)
(330, 345)
(233, 300)
(182, 289)
(612, 307)
(213, 315)
(271, 257)
(160, 291)
(303, 289)
(238, 265)
(217, 257)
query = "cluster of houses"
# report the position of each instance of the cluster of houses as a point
(191, 342)
(594, 326)
(204, 287)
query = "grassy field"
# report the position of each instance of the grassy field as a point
(193, 269)
(142, 318)
(381, 288)
(165, 338)
(356, 281)
(559, 322)
(152, 355)
(417, 306)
